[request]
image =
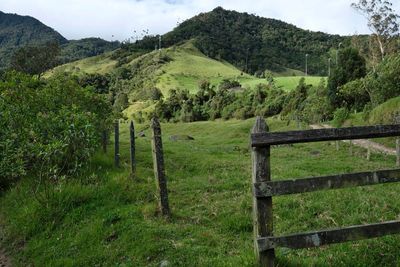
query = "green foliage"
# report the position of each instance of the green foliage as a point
(88, 47)
(100, 83)
(110, 220)
(20, 31)
(17, 32)
(252, 44)
(382, 20)
(208, 104)
(35, 60)
(49, 128)
(384, 83)
(317, 107)
(354, 94)
(296, 100)
(229, 84)
(351, 66)
(386, 113)
(340, 116)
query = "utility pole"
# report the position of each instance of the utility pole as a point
(337, 53)
(329, 67)
(247, 60)
(159, 43)
(306, 64)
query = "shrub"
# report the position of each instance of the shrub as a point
(384, 83)
(340, 116)
(48, 128)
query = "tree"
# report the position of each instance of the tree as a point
(35, 60)
(351, 66)
(382, 20)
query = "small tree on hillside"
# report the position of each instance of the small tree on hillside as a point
(382, 21)
(351, 66)
(35, 60)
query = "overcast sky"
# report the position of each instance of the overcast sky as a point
(118, 19)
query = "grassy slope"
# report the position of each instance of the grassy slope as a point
(382, 114)
(101, 64)
(287, 83)
(188, 67)
(110, 219)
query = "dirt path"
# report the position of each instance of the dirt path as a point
(362, 142)
(4, 260)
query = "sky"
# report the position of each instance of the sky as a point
(123, 19)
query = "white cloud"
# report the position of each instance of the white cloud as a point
(117, 19)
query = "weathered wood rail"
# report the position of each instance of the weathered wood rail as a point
(264, 189)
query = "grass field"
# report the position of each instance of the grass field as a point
(101, 64)
(107, 219)
(185, 71)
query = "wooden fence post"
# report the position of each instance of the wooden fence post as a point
(158, 162)
(132, 135)
(368, 152)
(104, 141)
(116, 143)
(398, 152)
(262, 207)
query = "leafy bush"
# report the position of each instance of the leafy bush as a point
(51, 128)
(340, 116)
(355, 94)
(384, 83)
(351, 66)
(386, 113)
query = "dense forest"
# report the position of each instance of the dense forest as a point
(20, 31)
(251, 43)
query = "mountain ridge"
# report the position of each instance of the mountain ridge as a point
(17, 31)
(251, 43)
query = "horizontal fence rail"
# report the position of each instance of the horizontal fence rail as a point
(264, 189)
(325, 237)
(296, 186)
(349, 133)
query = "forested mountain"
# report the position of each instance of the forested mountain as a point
(88, 47)
(18, 31)
(250, 42)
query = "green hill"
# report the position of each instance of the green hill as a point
(19, 31)
(251, 43)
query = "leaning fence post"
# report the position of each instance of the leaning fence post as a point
(158, 162)
(132, 136)
(116, 143)
(262, 207)
(398, 152)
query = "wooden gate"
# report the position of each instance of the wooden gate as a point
(264, 189)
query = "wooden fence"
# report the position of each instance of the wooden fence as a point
(158, 158)
(264, 189)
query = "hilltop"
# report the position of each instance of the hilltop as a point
(18, 31)
(251, 43)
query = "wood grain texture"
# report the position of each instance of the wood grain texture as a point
(159, 169)
(316, 135)
(262, 207)
(296, 186)
(325, 237)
